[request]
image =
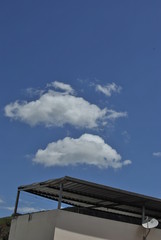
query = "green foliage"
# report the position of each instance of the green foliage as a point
(5, 227)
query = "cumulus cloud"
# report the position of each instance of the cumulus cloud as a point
(1, 201)
(54, 108)
(108, 89)
(88, 149)
(157, 154)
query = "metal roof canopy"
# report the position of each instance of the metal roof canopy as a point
(90, 195)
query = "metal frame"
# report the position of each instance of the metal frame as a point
(60, 196)
(90, 195)
(16, 203)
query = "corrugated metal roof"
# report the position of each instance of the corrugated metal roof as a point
(90, 195)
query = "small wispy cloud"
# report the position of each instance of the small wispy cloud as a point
(31, 92)
(1, 201)
(126, 136)
(157, 154)
(62, 86)
(108, 89)
(24, 210)
(88, 149)
(112, 114)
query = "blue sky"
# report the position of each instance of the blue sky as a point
(80, 93)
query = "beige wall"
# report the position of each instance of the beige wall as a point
(63, 225)
(36, 226)
(71, 226)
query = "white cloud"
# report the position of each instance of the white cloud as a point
(59, 108)
(157, 154)
(24, 210)
(8, 208)
(34, 92)
(127, 162)
(1, 201)
(108, 89)
(126, 136)
(112, 114)
(62, 86)
(88, 149)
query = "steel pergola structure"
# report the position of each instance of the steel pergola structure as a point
(84, 194)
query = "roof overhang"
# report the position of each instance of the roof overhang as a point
(84, 194)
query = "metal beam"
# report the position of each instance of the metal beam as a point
(16, 204)
(143, 214)
(60, 196)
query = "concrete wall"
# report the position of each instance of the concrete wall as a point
(73, 226)
(63, 225)
(35, 226)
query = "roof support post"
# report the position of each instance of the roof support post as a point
(60, 195)
(143, 214)
(16, 204)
